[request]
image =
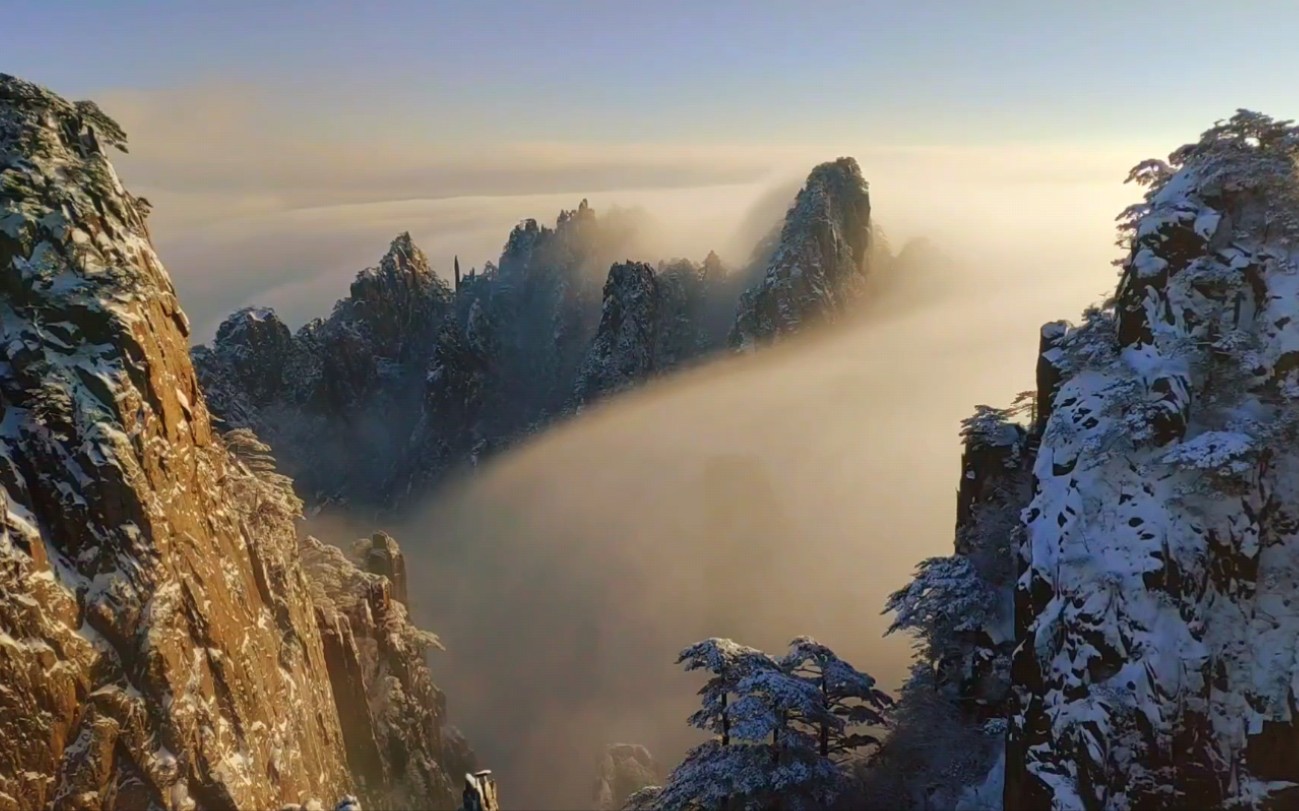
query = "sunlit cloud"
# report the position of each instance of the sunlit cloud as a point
(255, 203)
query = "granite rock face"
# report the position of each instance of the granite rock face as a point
(392, 715)
(166, 642)
(625, 769)
(995, 486)
(480, 792)
(160, 648)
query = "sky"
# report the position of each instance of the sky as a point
(284, 144)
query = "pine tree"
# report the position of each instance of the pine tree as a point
(846, 698)
(708, 776)
(778, 741)
(729, 662)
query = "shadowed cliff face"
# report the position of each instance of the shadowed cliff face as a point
(159, 642)
(818, 267)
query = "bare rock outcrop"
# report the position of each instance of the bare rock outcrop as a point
(392, 714)
(480, 792)
(158, 643)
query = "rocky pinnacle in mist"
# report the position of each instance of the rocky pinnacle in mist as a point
(819, 265)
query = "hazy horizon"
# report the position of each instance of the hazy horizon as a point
(284, 146)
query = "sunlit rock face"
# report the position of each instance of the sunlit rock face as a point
(401, 754)
(1157, 610)
(165, 642)
(480, 792)
(819, 264)
(159, 644)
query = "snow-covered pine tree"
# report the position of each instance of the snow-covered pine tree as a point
(729, 662)
(712, 771)
(785, 711)
(847, 699)
(779, 741)
(950, 719)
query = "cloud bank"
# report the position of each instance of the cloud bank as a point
(258, 202)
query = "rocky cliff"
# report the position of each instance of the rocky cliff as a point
(401, 753)
(162, 639)
(995, 486)
(819, 264)
(1157, 615)
(949, 724)
(161, 649)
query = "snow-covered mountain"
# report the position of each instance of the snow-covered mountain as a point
(409, 380)
(819, 264)
(164, 640)
(1157, 605)
(1154, 556)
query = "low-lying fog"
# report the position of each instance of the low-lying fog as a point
(759, 498)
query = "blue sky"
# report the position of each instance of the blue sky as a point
(913, 71)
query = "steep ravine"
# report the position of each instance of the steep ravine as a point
(161, 638)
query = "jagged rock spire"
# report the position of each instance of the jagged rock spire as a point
(820, 262)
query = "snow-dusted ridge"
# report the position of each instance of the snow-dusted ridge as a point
(819, 264)
(160, 646)
(407, 382)
(1159, 601)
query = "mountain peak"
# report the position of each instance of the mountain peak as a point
(818, 266)
(840, 170)
(403, 263)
